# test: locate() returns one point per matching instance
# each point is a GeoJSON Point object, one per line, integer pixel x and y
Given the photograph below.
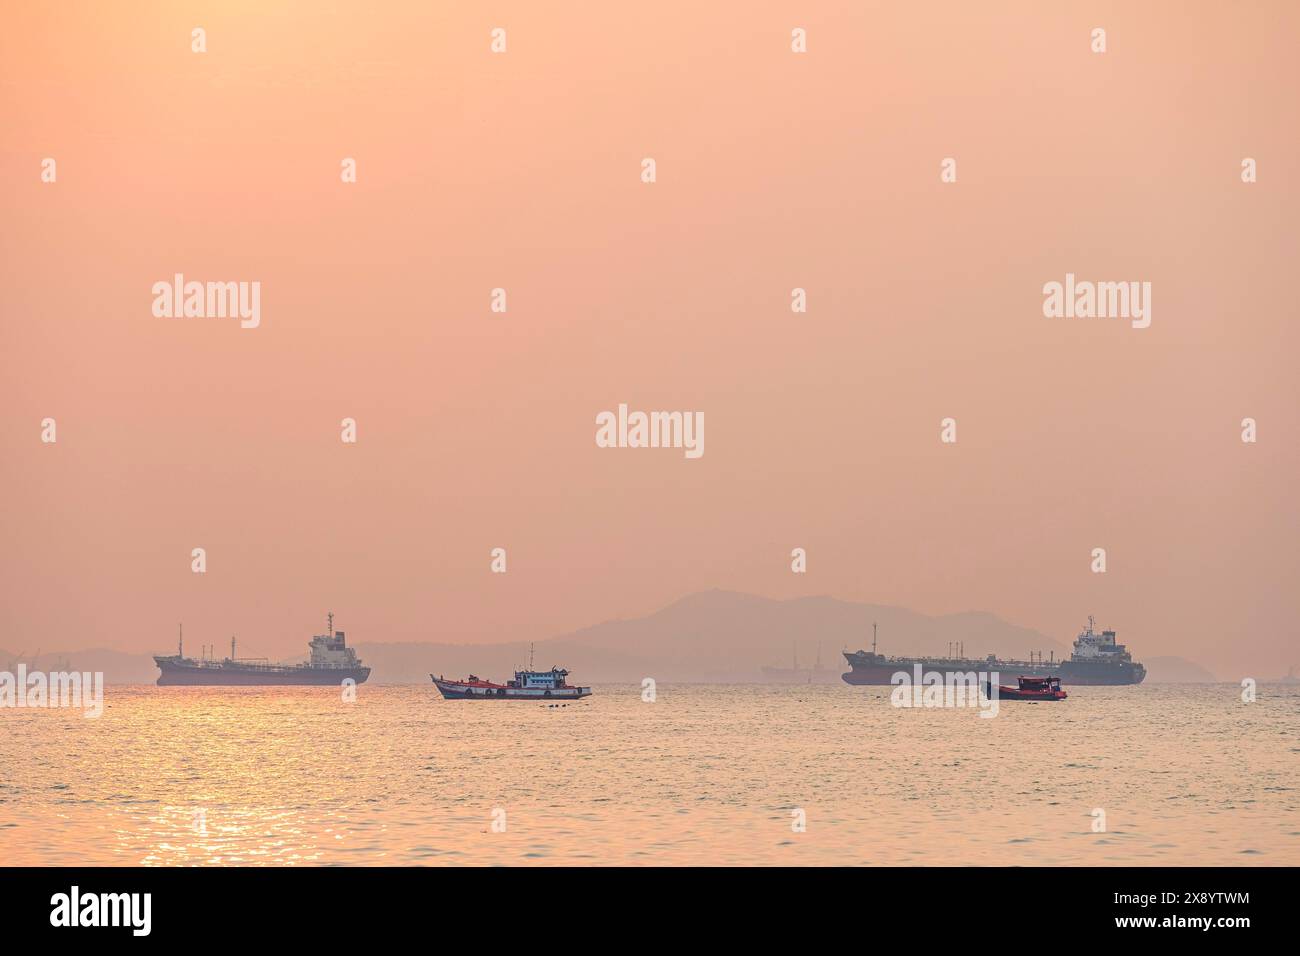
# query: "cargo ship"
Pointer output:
{"type": "Point", "coordinates": [331, 662]}
{"type": "Point", "coordinates": [1097, 659]}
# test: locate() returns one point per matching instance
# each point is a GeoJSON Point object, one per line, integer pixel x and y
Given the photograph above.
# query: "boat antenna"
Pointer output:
{"type": "Point", "coordinates": [873, 637]}
{"type": "Point", "coordinates": [530, 655]}
{"type": "Point", "coordinates": [232, 647]}
{"type": "Point", "coordinates": [329, 617]}
{"type": "Point", "coordinates": [180, 641]}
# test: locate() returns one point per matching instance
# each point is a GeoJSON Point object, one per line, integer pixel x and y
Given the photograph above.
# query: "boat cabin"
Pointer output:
{"type": "Point", "coordinates": [545, 679]}
{"type": "Point", "coordinates": [1040, 683]}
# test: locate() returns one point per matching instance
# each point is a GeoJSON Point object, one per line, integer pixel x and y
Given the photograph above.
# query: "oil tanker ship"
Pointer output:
{"type": "Point", "coordinates": [331, 662]}
{"type": "Point", "coordinates": [1097, 659]}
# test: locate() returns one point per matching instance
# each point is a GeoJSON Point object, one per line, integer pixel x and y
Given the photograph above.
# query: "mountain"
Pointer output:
{"type": "Point", "coordinates": [711, 636]}
{"type": "Point", "coordinates": [721, 636]}
{"type": "Point", "coordinates": [729, 636]}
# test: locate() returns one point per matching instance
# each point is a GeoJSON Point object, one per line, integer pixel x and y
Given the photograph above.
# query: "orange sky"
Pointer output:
{"type": "Point", "coordinates": [521, 170]}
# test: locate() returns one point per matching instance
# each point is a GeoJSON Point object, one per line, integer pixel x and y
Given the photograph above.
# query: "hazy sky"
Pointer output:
{"type": "Point", "coordinates": [522, 170]}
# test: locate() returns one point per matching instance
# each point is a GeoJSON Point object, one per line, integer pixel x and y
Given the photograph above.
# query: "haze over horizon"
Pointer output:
{"type": "Point", "coordinates": [775, 171]}
{"type": "Point", "coordinates": [712, 635]}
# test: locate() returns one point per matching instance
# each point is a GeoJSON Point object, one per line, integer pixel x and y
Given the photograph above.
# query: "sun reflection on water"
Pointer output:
{"type": "Point", "coordinates": [294, 776]}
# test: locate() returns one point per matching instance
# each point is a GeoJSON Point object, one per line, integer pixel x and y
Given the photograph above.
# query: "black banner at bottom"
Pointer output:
{"type": "Point", "coordinates": [505, 907]}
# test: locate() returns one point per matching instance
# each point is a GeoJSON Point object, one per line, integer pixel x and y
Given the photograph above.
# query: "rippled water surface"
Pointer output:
{"type": "Point", "coordinates": [1184, 775]}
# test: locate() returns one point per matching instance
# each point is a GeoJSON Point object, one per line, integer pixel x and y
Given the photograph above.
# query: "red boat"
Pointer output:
{"type": "Point", "coordinates": [1031, 688]}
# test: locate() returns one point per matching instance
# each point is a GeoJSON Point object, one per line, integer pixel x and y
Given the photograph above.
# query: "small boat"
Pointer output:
{"type": "Point", "coordinates": [1031, 688]}
{"type": "Point", "coordinates": [544, 686]}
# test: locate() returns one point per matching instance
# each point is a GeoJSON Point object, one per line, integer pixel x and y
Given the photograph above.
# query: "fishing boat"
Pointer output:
{"type": "Point", "coordinates": [527, 685]}
{"type": "Point", "coordinates": [545, 686]}
{"type": "Point", "coordinates": [1030, 688]}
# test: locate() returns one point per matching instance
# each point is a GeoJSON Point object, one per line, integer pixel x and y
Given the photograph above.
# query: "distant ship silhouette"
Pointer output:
{"type": "Point", "coordinates": [802, 675]}
{"type": "Point", "coordinates": [332, 662]}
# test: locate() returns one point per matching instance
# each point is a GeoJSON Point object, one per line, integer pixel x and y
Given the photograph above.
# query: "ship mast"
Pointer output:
{"type": "Point", "coordinates": [180, 641]}
{"type": "Point", "coordinates": [873, 637]}
{"type": "Point", "coordinates": [530, 656]}
{"type": "Point", "coordinates": [232, 647]}
{"type": "Point", "coordinates": [329, 616]}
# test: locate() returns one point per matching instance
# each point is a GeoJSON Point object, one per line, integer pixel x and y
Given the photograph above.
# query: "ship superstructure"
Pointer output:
{"type": "Point", "coordinates": [1098, 659]}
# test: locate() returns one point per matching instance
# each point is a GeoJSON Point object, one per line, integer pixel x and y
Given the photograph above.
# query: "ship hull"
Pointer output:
{"type": "Point", "coordinates": [173, 676]}
{"type": "Point", "coordinates": [460, 690]}
{"type": "Point", "coordinates": [1069, 672]}
{"type": "Point", "coordinates": [1103, 675]}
